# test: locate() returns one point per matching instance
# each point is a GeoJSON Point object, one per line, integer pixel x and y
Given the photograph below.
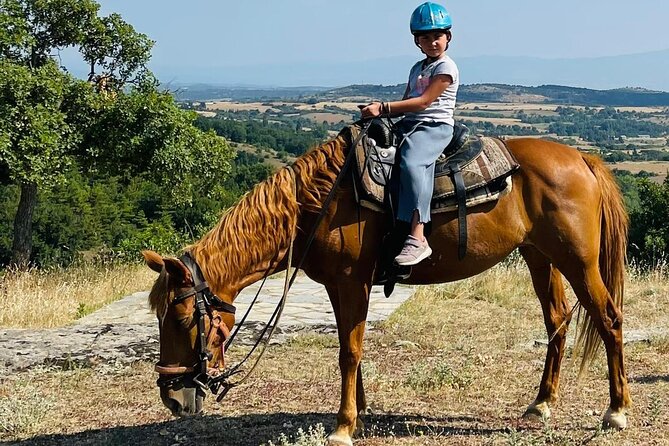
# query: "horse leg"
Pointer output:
{"type": "Point", "coordinates": [547, 282]}
{"type": "Point", "coordinates": [360, 398]}
{"type": "Point", "coordinates": [608, 320]}
{"type": "Point", "coordinates": [350, 300]}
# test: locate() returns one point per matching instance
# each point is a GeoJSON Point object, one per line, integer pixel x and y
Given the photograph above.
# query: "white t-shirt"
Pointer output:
{"type": "Point", "coordinates": [442, 109]}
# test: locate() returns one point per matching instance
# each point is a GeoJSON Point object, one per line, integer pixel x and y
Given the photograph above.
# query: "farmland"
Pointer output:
{"type": "Point", "coordinates": [631, 152]}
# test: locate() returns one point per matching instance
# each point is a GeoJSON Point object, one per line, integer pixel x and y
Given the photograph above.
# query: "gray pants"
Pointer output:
{"type": "Point", "coordinates": [422, 143]}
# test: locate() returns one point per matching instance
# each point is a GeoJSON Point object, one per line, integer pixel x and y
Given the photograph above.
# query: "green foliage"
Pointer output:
{"type": "Point", "coordinates": [35, 138]}
{"type": "Point", "coordinates": [117, 163]}
{"type": "Point", "coordinates": [119, 51]}
{"type": "Point", "coordinates": [281, 137]}
{"type": "Point", "coordinates": [649, 233]}
{"type": "Point", "coordinates": [145, 131]}
{"type": "Point", "coordinates": [601, 125]}
{"type": "Point", "coordinates": [489, 129]}
{"type": "Point", "coordinates": [33, 29]}
{"type": "Point", "coordinates": [630, 189]}
{"type": "Point", "coordinates": [88, 217]}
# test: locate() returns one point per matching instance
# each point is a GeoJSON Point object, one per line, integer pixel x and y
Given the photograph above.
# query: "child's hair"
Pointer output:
{"type": "Point", "coordinates": [448, 33]}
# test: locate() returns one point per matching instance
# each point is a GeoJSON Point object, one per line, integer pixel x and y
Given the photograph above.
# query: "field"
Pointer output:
{"type": "Point", "coordinates": [334, 112]}
{"type": "Point", "coordinates": [343, 111]}
{"type": "Point", "coordinates": [456, 364]}
{"type": "Point", "coordinates": [659, 169]}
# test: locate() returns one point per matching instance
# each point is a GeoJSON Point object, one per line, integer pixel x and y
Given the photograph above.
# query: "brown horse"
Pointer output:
{"type": "Point", "coordinates": [564, 213]}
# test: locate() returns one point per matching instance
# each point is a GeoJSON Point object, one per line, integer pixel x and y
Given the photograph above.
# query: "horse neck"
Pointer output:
{"type": "Point", "coordinates": [253, 237]}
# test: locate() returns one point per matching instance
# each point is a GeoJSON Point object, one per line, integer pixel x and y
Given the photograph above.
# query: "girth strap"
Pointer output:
{"type": "Point", "coordinates": [461, 195]}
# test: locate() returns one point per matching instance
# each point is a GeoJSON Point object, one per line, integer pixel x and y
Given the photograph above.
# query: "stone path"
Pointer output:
{"type": "Point", "coordinates": [126, 330]}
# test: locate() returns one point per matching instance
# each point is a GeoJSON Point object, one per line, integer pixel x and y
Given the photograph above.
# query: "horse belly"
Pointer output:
{"type": "Point", "coordinates": [493, 232]}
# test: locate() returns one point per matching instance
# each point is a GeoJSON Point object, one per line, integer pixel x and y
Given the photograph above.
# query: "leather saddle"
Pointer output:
{"type": "Point", "coordinates": [382, 143]}
{"type": "Point", "coordinates": [471, 170]}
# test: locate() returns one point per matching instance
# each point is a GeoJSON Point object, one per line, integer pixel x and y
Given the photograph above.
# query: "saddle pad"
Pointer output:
{"type": "Point", "coordinates": [485, 175]}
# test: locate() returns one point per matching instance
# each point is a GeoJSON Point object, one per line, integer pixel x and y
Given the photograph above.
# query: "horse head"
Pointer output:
{"type": "Point", "coordinates": [194, 325]}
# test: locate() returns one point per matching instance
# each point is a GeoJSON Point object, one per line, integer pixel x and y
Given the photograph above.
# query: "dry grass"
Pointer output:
{"type": "Point", "coordinates": [658, 168]}
{"type": "Point", "coordinates": [330, 118]}
{"type": "Point", "coordinates": [238, 106]}
{"type": "Point", "coordinates": [58, 296]}
{"type": "Point", "coordinates": [496, 121]}
{"type": "Point", "coordinates": [23, 410]}
{"type": "Point", "coordinates": [509, 106]}
{"type": "Point", "coordinates": [456, 364]}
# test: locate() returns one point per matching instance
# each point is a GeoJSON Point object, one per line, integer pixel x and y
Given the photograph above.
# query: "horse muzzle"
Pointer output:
{"type": "Point", "coordinates": [181, 395]}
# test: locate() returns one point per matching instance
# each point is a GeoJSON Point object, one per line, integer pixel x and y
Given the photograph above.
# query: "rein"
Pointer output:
{"type": "Point", "coordinates": [213, 378]}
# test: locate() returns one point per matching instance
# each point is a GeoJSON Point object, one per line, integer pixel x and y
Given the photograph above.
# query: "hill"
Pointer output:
{"type": "Point", "coordinates": [548, 94]}
{"type": "Point", "coordinates": [647, 70]}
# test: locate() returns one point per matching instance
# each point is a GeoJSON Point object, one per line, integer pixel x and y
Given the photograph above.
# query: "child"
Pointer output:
{"type": "Point", "coordinates": [427, 127]}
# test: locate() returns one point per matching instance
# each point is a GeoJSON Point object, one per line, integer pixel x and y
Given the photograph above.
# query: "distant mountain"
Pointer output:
{"type": "Point", "coordinates": [549, 94]}
{"type": "Point", "coordinates": [646, 70]}
{"type": "Point", "coordinates": [203, 92]}
{"type": "Point", "coordinates": [557, 94]}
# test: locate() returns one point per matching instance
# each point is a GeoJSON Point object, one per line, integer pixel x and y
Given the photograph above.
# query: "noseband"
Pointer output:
{"type": "Point", "coordinates": [207, 304]}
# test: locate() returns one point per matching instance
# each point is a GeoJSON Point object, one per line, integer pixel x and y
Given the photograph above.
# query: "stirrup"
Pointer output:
{"type": "Point", "coordinates": [394, 273]}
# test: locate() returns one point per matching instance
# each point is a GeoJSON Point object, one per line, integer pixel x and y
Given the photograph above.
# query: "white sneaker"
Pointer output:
{"type": "Point", "coordinates": [413, 252]}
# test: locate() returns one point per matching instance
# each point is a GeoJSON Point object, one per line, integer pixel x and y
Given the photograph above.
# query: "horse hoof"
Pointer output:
{"type": "Point", "coordinates": [614, 420]}
{"type": "Point", "coordinates": [368, 410]}
{"type": "Point", "coordinates": [538, 411]}
{"type": "Point", "coordinates": [338, 440]}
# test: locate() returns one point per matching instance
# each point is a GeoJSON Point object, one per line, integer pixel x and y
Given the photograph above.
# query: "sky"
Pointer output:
{"type": "Point", "coordinates": [201, 34]}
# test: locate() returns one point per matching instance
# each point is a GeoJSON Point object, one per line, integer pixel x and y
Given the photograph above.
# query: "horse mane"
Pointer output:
{"type": "Point", "coordinates": [265, 219]}
{"type": "Point", "coordinates": [159, 297]}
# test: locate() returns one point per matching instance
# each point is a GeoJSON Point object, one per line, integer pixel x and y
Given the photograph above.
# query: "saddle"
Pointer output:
{"type": "Point", "coordinates": [471, 170]}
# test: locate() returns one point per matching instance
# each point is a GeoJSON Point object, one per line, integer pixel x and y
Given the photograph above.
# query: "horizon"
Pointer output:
{"type": "Point", "coordinates": [296, 42]}
{"type": "Point", "coordinates": [325, 88]}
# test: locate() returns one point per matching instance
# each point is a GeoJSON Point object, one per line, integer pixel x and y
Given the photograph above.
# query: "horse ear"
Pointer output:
{"type": "Point", "coordinates": [176, 269]}
{"type": "Point", "coordinates": [153, 260]}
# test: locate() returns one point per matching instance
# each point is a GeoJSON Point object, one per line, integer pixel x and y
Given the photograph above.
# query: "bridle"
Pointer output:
{"type": "Point", "coordinates": [207, 304]}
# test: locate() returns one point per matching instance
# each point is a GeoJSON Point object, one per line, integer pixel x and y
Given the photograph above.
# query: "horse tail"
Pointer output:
{"type": "Point", "coordinates": [612, 251]}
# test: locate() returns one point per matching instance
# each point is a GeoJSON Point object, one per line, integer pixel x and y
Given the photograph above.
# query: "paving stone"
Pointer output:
{"type": "Point", "coordinates": [127, 331]}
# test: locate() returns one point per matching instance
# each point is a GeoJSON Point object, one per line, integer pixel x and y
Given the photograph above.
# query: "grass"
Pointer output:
{"type": "Point", "coordinates": [455, 364]}
{"type": "Point", "coordinates": [425, 376]}
{"type": "Point", "coordinates": [314, 436]}
{"type": "Point", "coordinates": [23, 410]}
{"type": "Point", "coordinates": [58, 296]}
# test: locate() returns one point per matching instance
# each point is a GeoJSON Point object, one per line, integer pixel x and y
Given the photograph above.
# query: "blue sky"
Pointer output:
{"type": "Point", "coordinates": [200, 34]}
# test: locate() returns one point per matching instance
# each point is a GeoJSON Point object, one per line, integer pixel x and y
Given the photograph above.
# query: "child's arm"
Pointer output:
{"type": "Point", "coordinates": [437, 85]}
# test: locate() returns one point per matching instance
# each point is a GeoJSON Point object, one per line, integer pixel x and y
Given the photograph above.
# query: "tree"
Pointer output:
{"type": "Point", "coordinates": [35, 138]}
{"type": "Point", "coordinates": [649, 234]}
{"type": "Point", "coordinates": [116, 121]}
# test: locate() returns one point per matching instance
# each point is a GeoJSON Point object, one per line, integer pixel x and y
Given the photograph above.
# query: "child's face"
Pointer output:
{"type": "Point", "coordinates": [432, 43]}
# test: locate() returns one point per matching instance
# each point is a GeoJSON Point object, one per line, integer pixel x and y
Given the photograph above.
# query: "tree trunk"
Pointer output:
{"type": "Point", "coordinates": [23, 226]}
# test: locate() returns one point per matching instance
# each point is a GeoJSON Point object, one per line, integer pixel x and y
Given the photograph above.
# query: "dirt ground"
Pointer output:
{"type": "Point", "coordinates": [456, 364]}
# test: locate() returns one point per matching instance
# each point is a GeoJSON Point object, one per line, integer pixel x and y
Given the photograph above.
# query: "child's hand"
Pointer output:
{"type": "Point", "coordinates": [370, 110]}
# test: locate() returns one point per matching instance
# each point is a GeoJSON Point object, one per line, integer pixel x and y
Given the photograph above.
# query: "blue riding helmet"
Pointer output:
{"type": "Point", "coordinates": [430, 17]}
